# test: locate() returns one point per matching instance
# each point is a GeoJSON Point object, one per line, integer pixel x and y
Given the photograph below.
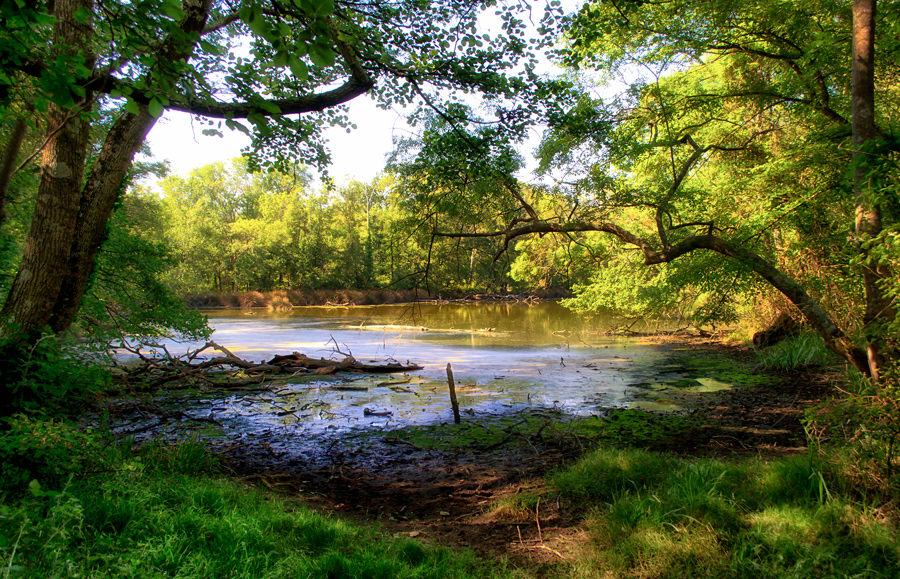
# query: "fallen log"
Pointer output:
{"type": "Point", "coordinates": [348, 364]}
{"type": "Point", "coordinates": [230, 371]}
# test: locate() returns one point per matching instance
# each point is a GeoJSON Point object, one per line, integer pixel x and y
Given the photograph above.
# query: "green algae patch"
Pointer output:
{"type": "Point", "coordinates": [478, 434]}
{"type": "Point", "coordinates": [619, 427]}
{"type": "Point", "coordinates": [624, 427]}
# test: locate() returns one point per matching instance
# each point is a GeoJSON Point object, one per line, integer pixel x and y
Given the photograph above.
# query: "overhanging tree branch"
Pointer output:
{"type": "Point", "coordinates": [812, 311]}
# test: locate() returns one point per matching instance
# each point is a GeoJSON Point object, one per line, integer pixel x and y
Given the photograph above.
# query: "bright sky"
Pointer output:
{"type": "Point", "coordinates": [358, 155]}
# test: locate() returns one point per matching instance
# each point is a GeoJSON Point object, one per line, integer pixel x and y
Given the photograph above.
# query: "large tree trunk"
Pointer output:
{"type": "Point", "coordinates": [71, 213]}
{"type": "Point", "coordinates": [45, 260]}
{"type": "Point", "coordinates": [879, 309]}
{"type": "Point", "coordinates": [101, 190]}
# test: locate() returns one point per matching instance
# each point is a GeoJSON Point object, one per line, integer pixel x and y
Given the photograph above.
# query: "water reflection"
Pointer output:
{"type": "Point", "coordinates": [506, 357]}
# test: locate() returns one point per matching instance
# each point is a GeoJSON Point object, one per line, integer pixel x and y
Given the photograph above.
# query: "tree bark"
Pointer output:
{"type": "Point", "coordinates": [35, 288]}
{"type": "Point", "coordinates": [879, 309]}
{"type": "Point", "coordinates": [10, 154]}
{"type": "Point", "coordinates": [101, 190]}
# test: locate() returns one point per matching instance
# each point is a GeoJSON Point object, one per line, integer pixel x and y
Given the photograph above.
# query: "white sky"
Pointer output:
{"type": "Point", "coordinates": [359, 155]}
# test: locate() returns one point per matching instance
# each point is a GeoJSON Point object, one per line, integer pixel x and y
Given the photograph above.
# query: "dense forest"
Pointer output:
{"type": "Point", "coordinates": [232, 231]}
{"type": "Point", "coordinates": [724, 164]}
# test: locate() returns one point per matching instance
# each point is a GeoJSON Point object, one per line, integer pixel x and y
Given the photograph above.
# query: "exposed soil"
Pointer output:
{"type": "Point", "coordinates": [451, 498]}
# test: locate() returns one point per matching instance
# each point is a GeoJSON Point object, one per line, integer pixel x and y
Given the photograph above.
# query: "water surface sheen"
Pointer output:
{"type": "Point", "coordinates": [502, 353]}
{"type": "Point", "coordinates": [506, 357]}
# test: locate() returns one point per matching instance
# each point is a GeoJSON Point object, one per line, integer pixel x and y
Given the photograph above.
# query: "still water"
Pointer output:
{"type": "Point", "coordinates": [506, 357]}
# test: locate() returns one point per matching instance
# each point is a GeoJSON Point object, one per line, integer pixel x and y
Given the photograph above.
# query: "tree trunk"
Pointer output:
{"type": "Point", "coordinates": [71, 212]}
{"type": "Point", "coordinates": [818, 319]}
{"type": "Point", "coordinates": [101, 189]}
{"type": "Point", "coordinates": [45, 261]}
{"type": "Point", "coordinates": [879, 309]}
{"type": "Point", "coordinates": [10, 154]}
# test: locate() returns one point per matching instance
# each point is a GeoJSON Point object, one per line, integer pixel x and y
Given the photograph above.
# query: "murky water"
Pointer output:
{"type": "Point", "coordinates": [506, 357]}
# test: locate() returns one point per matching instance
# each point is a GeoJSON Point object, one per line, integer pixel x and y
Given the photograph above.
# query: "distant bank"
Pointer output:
{"type": "Point", "coordinates": [282, 300]}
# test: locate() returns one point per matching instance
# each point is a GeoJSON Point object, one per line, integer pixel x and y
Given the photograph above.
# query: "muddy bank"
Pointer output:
{"type": "Point", "coordinates": [439, 482]}
{"type": "Point", "coordinates": [281, 300]}
{"type": "Point", "coordinates": [455, 495]}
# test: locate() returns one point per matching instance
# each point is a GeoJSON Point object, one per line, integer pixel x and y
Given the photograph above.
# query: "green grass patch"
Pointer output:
{"type": "Point", "coordinates": [114, 512]}
{"type": "Point", "coordinates": [801, 351]}
{"type": "Point", "coordinates": [654, 515]}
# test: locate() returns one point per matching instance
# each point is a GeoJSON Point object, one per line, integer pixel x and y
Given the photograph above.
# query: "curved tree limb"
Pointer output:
{"type": "Point", "coordinates": [835, 339]}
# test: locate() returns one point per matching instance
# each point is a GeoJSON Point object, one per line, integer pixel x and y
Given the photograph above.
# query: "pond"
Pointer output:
{"type": "Point", "coordinates": [506, 358]}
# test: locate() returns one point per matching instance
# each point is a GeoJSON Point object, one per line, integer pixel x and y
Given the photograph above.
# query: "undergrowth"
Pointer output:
{"type": "Point", "coordinates": [650, 514]}
{"type": "Point", "coordinates": [76, 505]}
{"type": "Point", "coordinates": [801, 351]}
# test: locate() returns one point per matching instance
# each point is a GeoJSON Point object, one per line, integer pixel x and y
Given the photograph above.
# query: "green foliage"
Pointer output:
{"type": "Point", "coordinates": [734, 124]}
{"type": "Point", "coordinates": [229, 230]}
{"type": "Point", "coordinates": [156, 514]}
{"type": "Point", "coordinates": [796, 352]}
{"type": "Point", "coordinates": [652, 515]}
{"type": "Point", "coordinates": [51, 377]}
{"type": "Point", "coordinates": [298, 47]}
{"type": "Point", "coordinates": [47, 450]}
{"type": "Point", "coordinates": [127, 295]}
{"type": "Point", "coordinates": [870, 417]}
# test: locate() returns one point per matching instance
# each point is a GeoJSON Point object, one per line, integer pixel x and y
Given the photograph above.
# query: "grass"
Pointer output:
{"type": "Point", "coordinates": [159, 513]}
{"type": "Point", "coordinates": [800, 351]}
{"type": "Point", "coordinates": [649, 514]}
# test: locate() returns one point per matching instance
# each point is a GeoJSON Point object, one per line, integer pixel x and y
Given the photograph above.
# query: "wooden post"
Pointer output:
{"type": "Point", "coordinates": [453, 401]}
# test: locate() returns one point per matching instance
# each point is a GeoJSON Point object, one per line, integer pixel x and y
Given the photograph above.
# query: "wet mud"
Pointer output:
{"type": "Point", "coordinates": [344, 443]}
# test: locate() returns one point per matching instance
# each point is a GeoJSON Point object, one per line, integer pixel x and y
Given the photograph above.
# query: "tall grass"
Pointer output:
{"type": "Point", "coordinates": [800, 351]}
{"type": "Point", "coordinates": [153, 514]}
{"type": "Point", "coordinates": [653, 515]}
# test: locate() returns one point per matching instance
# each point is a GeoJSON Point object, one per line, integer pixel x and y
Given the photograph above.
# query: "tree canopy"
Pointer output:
{"type": "Point", "coordinates": [94, 77]}
{"type": "Point", "coordinates": [737, 134]}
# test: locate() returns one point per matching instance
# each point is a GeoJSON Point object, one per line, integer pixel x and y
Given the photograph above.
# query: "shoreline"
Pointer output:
{"type": "Point", "coordinates": [282, 300]}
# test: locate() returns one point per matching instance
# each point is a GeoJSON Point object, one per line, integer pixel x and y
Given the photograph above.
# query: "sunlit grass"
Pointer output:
{"type": "Point", "coordinates": [801, 351]}
{"type": "Point", "coordinates": [156, 514]}
{"type": "Point", "coordinates": [653, 515]}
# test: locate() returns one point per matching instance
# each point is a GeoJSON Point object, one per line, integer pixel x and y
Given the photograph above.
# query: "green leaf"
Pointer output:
{"type": "Point", "coordinates": [236, 126]}
{"type": "Point", "coordinates": [324, 7]}
{"type": "Point", "coordinates": [269, 107]}
{"type": "Point", "coordinates": [155, 108]}
{"type": "Point", "coordinates": [172, 9]}
{"type": "Point", "coordinates": [322, 57]}
{"type": "Point", "coordinates": [298, 68]}
{"type": "Point", "coordinates": [132, 107]}
{"type": "Point", "coordinates": [258, 26]}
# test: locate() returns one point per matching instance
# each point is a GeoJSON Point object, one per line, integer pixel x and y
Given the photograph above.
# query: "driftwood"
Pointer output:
{"type": "Point", "coordinates": [348, 364]}
{"type": "Point", "coordinates": [229, 371]}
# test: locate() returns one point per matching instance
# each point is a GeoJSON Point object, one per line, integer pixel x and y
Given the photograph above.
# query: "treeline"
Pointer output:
{"type": "Point", "coordinates": [229, 230]}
